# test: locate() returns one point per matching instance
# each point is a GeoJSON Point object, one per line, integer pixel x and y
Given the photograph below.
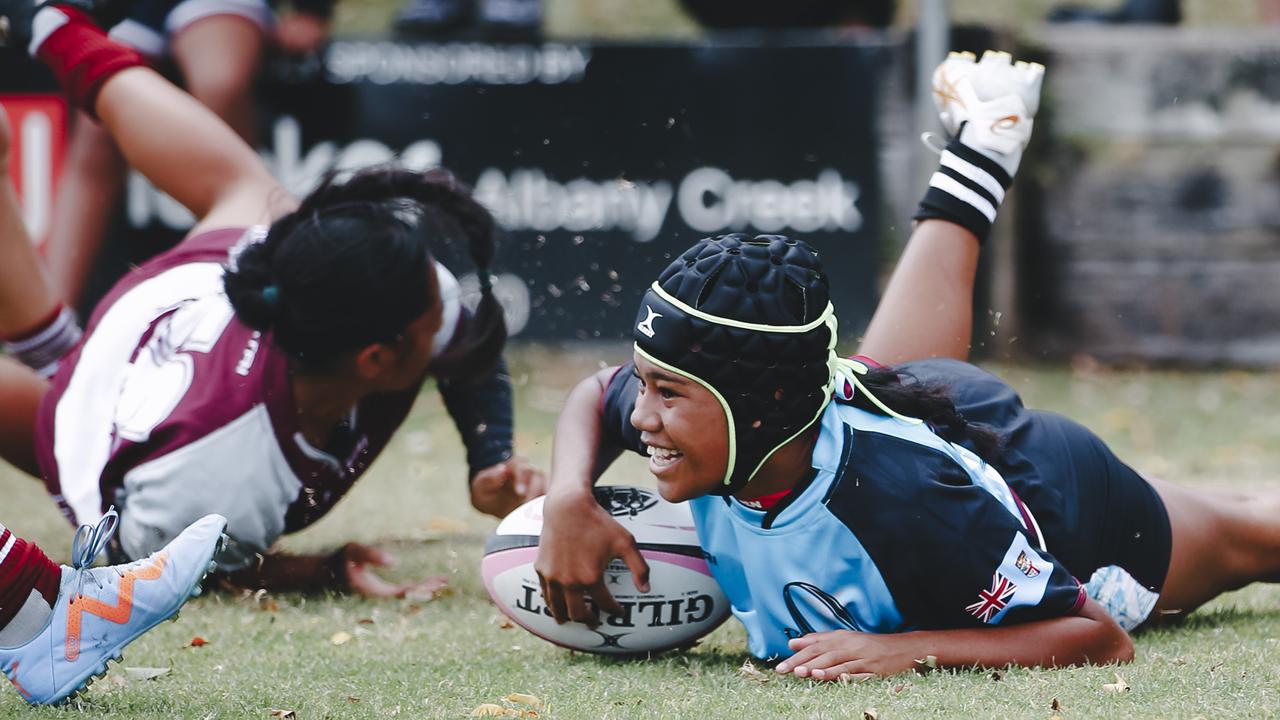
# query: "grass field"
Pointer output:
{"type": "Point", "coordinates": [442, 658]}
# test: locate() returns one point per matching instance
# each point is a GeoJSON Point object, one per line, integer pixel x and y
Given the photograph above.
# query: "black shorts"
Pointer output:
{"type": "Point", "coordinates": [1093, 510]}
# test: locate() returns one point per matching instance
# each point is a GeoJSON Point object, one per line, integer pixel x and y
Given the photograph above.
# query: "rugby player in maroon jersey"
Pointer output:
{"type": "Point", "coordinates": [258, 368]}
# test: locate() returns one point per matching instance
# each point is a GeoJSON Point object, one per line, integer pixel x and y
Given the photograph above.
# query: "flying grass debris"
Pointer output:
{"type": "Point", "coordinates": [1118, 686]}
{"type": "Point", "coordinates": [751, 672]}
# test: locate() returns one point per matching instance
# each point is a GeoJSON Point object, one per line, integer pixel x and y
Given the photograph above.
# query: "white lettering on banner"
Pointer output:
{"type": "Point", "coordinates": [297, 172]}
{"type": "Point", "coordinates": [384, 63]}
{"type": "Point", "coordinates": [711, 200]}
{"type": "Point", "coordinates": [529, 200]}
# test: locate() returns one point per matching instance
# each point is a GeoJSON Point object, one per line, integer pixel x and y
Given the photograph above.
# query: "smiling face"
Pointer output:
{"type": "Point", "coordinates": [685, 430]}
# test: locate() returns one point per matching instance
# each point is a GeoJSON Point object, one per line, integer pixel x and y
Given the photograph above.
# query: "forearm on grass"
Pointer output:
{"type": "Point", "coordinates": [286, 573]}
{"type": "Point", "coordinates": [1092, 636]}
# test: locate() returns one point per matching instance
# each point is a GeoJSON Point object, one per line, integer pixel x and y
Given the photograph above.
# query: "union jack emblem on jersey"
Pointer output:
{"type": "Point", "coordinates": [1024, 564]}
{"type": "Point", "coordinates": [992, 601]}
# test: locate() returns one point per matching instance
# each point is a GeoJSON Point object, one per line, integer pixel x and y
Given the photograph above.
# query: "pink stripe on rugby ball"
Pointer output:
{"type": "Point", "coordinates": [684, 561]}
{"type": "Point", "coordinates": [497, 563]}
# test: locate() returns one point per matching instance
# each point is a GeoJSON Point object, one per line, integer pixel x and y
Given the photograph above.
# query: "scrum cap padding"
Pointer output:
{"type": "Point", "coordinates": [750, 319]}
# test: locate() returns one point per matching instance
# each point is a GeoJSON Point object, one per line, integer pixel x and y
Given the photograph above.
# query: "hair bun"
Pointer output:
{"type": "Point", "coordinates": [248, 285]}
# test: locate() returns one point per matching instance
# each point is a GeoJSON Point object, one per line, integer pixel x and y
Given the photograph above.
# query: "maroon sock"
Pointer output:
{"type": "Point", "coordinates": [81, 55]}
{"type": "Point", "coordinates": [23, 568]}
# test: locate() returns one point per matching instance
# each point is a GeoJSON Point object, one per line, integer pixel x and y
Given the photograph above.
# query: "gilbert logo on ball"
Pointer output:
{"type": "Point", "coordinates": [683, 603]}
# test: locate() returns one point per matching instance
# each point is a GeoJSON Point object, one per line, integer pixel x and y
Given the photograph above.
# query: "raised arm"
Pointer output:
{"type": "Point", "coordinates": [177, 143]}
{"type": "Point", "coordinates": [927, 309]}
{"type": "Point", "coordinates": [579, 537]}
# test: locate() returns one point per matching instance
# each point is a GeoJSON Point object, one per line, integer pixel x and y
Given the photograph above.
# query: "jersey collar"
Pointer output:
{"type": "Point", "coordinates": [826, 461]}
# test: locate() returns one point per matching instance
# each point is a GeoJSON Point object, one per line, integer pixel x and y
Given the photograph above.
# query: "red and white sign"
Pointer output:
{"type": "Point", "coordinates": [38, 124]}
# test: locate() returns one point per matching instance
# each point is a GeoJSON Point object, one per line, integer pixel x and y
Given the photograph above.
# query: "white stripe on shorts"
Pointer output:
{"type": "Point", "coordinates": [140, 37]}
{"type": "Point", "coordinates": [4, 551]}
{"type": "Point", "coordinates": [952, 187]}
{"type": "Point", "coordinates": [46, 21]}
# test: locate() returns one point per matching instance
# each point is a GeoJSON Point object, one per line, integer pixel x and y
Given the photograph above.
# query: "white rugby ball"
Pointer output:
{"type": "Point", "coordinates": [683, 603]}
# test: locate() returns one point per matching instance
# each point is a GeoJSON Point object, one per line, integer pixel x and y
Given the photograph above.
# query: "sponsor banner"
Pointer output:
{"type": "Point", "coordinates": [601, 162]}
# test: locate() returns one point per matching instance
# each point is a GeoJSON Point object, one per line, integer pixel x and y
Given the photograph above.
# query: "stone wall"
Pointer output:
{"type": "Point", "coordinates": [1149, 211]}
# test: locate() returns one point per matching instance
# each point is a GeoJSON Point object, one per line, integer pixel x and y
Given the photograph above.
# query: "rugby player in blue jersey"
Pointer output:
{"type": "Point", "coordinates": [863, 517]}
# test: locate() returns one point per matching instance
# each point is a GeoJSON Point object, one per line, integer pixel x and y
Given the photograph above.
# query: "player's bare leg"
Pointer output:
{"type": "Point", "coordinates": [163, 132]}
{"type": "Point", "coordinates": [89, 192]}
{"type": "Point", "coordinates": [96, 172]}
{"type": "Point", "coordinates": [219, 57]}
{"type": "Point", "coordinates": [26, 296]}
{"type": "Point", "coordinates": [27, 301]}
{"type": "Point", "coordinates": [927, 309]}
{"type": "Point", "coordinates": [21, 391]}
{"type": "Point", "coordinates": [1222, 541]}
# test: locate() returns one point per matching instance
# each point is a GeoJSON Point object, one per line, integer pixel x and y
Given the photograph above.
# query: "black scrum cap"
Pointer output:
{"type": "Point", "coordinates": [750, 319]}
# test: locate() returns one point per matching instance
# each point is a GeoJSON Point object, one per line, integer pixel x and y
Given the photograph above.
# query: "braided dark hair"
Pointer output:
{"type": "Point", "coordinates": [352, 266]}
{"type": "Point", "coordinates": [932, 403]}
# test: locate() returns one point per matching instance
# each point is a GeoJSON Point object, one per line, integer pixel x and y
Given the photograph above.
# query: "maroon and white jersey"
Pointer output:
{"type": "Point", "coordinates": [171, 408]}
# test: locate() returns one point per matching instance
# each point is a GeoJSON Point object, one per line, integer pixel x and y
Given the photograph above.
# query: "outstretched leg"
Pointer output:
{"type": "Point", "coordinates": [218, 56]}
{"type": "Point", "coordinates": [26, 297]}
{"type": "Point", "coordinates": [21, 391]}
{"type": "Point", "coordinates": [52, 642]}
{"type": "Point", "coordinates": [1222, 541]}
{"type": "Point", "coordinates": [91, 186]}
{"type": "Point", "coordinates": [177, 143]}
{"type": "Point", "coordinates": [27, 305]}
{"type": "Point", "coordinates": [927, 309]}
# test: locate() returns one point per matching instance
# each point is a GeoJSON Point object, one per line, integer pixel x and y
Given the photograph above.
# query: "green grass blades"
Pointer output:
{"type": "Point", "coordinates": [339, 657]}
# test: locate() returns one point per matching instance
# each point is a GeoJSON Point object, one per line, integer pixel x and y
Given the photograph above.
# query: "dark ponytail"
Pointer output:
{"type": "Point", "coordinates": [929, 402]}
{"type": "Point", "coordinates": [352, 266]}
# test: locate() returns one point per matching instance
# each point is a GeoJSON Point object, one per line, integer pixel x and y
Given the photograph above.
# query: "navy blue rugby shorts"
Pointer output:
{"type": "Point", "coordinates": [1093, 510]}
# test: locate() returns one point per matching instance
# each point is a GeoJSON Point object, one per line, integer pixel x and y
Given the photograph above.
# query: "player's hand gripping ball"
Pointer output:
{"type": "Point", "coordinates": [683, 603]}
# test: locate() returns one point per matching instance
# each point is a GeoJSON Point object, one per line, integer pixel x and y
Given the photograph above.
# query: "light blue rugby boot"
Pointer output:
{"type": "Point", "coordinates": [101, 610]}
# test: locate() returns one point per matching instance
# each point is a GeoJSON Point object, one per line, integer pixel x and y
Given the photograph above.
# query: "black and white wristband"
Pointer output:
{"type": "Point", "coordinates": [966, 189]}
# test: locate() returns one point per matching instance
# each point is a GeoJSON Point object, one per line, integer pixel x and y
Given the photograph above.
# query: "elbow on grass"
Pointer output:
{"type": "Point", "coordinates": [1117, 648]}
{"type": "Point", "coordinates": [1123, 651]}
